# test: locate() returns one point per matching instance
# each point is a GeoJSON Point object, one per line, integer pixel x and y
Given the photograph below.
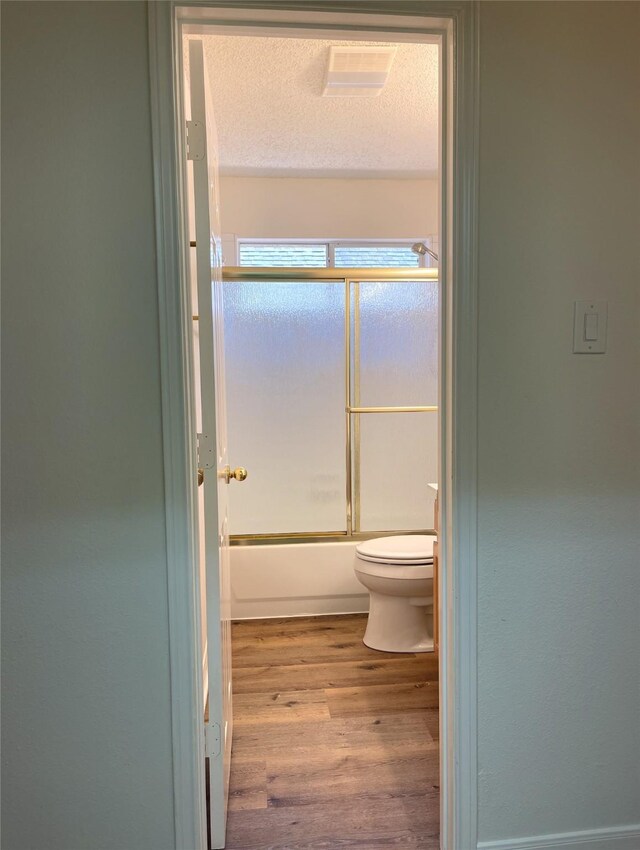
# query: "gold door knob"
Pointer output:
{"type": "Point", "coordinates": [200, 477]}
{"type": "Point", "coordinates": [238, 474]}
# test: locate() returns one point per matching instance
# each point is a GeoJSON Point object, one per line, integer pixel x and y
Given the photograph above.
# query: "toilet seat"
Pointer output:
{"type": "Point", "coordinates": [403, 550]}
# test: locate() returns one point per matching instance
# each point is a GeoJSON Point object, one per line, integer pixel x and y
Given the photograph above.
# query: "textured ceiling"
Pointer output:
{"type": "Point", "coordinates": [271, 115]}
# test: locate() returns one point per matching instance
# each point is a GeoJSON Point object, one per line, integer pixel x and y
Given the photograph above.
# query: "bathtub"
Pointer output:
{"type": "Point", "coordinates": [294, 580]}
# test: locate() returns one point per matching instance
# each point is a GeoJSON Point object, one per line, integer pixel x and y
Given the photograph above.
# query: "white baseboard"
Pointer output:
{"type": "Point", "coordinates": [614, 838]}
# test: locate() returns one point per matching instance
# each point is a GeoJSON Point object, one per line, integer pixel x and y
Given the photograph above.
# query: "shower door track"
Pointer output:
{"type": "Point", "coordinates": [346, 277]}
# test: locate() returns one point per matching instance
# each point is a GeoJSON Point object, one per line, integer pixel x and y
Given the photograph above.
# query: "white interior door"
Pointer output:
{"type": "Point", "coordinates": [212, 444]}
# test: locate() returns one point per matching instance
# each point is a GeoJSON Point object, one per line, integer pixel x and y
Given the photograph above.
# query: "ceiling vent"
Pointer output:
{"type": "Point", "coordinates": [357, 71]}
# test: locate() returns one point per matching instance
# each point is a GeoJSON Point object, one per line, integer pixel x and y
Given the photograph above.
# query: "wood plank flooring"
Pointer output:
{"type": "Point", "coordinates": [335, 745]}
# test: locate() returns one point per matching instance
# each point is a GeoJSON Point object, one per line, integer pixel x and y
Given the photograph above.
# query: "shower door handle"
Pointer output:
{"type": "Point", "coordinates": [238, 474]}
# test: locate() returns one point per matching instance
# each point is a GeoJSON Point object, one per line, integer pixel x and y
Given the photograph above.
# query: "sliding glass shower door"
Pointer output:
{"type": "Point", "coordinates": [285, 355]}
{"type": "Point", "coordinates": [332, 394]}
{"type": "Point", "coordinates": [394, 364]}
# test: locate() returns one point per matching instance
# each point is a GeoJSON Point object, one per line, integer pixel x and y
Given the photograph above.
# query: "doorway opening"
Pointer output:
{"type": "Point", "coordinates": [201, 270]}
{"type": "Point", "coordinates": [325, 218]}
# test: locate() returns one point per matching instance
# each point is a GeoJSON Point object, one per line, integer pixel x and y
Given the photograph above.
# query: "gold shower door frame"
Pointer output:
{"type": "Point", "coordinates": [348, 277]}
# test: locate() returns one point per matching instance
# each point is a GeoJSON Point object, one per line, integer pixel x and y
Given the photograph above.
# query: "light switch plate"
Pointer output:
{"type": "Point", "coordinates": [590, 327]}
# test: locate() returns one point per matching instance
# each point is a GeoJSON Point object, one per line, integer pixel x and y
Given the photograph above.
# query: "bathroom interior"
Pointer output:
{"type": "Point", "coordinates": [328, 159]}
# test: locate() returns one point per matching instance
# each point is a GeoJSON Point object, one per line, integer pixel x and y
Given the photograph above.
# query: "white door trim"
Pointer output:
{"type": "Point", "coordinates": [457, 20]}
{"type": "Point", "coordinates": [178, 433]}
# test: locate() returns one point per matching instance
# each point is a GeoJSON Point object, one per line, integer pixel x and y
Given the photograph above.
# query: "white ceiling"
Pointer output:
{"type": "Point", "coordinates": [271, 115]}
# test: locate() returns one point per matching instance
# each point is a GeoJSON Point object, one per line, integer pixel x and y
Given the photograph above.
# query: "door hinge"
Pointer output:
{"type": "Point", "coordinates": [206, 451]}
{"type": "Point", "coordinates": [195, 140]}
{"type": "Point", "coordinates": [212, 740]}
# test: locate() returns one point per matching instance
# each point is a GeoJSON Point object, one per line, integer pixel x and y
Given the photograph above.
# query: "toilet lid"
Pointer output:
{"type": "Point", "coordinates": [405, 548]}
{"type": "Point", "coordinates": [400, 562]}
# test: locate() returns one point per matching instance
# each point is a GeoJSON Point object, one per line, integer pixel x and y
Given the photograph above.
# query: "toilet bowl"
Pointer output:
{"type": "Point", "coordinates": [398, 573]}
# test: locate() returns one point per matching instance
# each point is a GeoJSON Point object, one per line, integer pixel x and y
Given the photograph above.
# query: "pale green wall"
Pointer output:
{"type": "Point", "coordinates": [85, 674]}
{"type": "Point", "coordinates": [559, 477]}
{"type": "Point", "coordinates": [86, 727]}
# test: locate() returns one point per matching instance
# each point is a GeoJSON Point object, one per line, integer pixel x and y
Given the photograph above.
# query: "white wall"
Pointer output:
{"type": "Point", "coordinates": [296, 207]}
{"type": "Point", "coordinates": [559, 580]}
{"type": "Point", "coordinates": [86, 734]}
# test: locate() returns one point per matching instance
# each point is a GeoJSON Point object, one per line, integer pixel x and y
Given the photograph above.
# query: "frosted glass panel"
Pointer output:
{"type": "Point", "coordinates": [398, 457]}
{"type": "Point", "coordinates": [284, 346]}
{"type": "Point", "coordinates": [398, 344]}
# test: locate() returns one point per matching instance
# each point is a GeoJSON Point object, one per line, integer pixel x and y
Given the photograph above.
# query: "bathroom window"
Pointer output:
{"type": "Point", "coordinates": [279, 254]}
{"type": "Point", "coordinates": [343, 254]}
{"type": "Point", "coordinates": [372, 256]}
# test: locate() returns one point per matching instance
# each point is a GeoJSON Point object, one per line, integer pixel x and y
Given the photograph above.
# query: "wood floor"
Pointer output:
{"type": "Point", "coordinates": [335, 745]}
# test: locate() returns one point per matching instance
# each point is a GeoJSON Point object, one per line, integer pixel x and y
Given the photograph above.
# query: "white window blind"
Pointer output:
{"type": "Point", "coordinates": [329, 254]}
{"type": "Point", "coordinates": [375, 256]}
{"type": "Point", "coordinates": [278, 254]}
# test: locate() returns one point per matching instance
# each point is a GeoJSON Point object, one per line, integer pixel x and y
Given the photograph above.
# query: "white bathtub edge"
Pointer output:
{"type": "Point", "coordinates": [295, 580]}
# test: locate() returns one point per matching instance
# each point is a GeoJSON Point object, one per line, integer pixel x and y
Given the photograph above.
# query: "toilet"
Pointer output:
{"type": "Point", "coordinates": [398, 573]}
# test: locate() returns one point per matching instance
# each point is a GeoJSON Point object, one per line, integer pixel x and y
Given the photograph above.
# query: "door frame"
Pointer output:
{"type": "Point", "coordinates": [456, 23]}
